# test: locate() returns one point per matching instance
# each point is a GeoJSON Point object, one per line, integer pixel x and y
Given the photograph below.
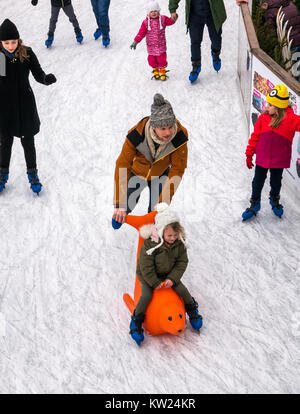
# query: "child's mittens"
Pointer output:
{"type": "Point", "coordinates": [133, 45]}
{"type": "Point", "coordinates": [49, 79]}
{"type": "Point", "coordinates": [249, 162]}
{"type": "Point", "coordinates": [34, 2]}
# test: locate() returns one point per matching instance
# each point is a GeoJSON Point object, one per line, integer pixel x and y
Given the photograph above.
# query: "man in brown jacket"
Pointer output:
{"type": "Point", "coordinates": [155, 155]}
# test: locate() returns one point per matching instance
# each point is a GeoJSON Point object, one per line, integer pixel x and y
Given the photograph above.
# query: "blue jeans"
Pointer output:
{"type": "Point", "coordinates": [100, 8]}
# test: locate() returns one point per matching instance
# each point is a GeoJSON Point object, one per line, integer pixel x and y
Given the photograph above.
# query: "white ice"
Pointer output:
{"type": "Point", "coordinates": [63, 324]}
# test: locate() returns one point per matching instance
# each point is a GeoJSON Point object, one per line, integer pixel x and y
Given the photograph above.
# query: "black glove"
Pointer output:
{"type": "Point", "coordinates": [133, 45]}
{"type": "Point", "coordinates": [49, 79]}
{"type": "Point", "coordinates": [34, 2]}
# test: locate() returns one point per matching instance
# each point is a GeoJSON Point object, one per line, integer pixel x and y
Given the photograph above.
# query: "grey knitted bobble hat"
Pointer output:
{"type": "Point", "coordinates": [162, 114]}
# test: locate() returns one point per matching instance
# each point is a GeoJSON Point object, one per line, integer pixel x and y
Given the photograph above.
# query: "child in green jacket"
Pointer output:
{"type": "Point", "coordinates": [163, 258]}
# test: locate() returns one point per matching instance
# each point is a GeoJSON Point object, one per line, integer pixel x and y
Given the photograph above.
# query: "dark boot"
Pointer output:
{"type": "Point", "coordinates": [276, 207]}
{"type": "Point", "coordinates": [3, 178]}
{"type": "Point", "coordinates": [195, 318]}
{"type": "Point", "coordinates": [252, 210]}
{"type": "Point", "coordinates": [33, 178]}
{"type": "Point", "coordinates": [136, 330]}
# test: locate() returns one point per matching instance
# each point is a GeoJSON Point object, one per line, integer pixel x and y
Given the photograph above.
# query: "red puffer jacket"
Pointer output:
{"type": "Point", "coordinates": [273, 146]}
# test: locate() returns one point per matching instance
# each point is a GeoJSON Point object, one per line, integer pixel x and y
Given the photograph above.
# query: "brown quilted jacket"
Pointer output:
{"type": "Point", "coordinates": [136, 158]}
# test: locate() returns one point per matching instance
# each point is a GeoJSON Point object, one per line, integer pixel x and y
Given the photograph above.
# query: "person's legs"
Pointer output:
{"type": "Point", "coordinates": [103, 6]}
{"type": "Point", "coordinates": [69, 12]}
{"type": "Point", "coordinates": [196, 27]}
{"type": "Point", "coordinates": [162, 60]}
{"type": "Point", "coordinates": [95, 10]}
{"type": "Point", "coordinates": [191, 306]}
{"type": "Point", "coordinates": [30, 157]}
{"type": "Point", "coordinates": [152, 60]}
{"type": "Point", "coordinates": [29, 152]}
{"type": "Point", "coordinates": [155, 188]}
{"type": "Point", "coordinates": [257, 186]}
{"type": "Point", "coordinates": [258, 182]}
{"type": "Point", "coordinates": [5, 151]}
{"type": "Point", "coordinates": [145, 298]}
{"type": "Point", "coordinates": [215, 37]}
{"type": "Point", "coordinates": [135, 187]}
{"type": "Point", "coordinates": [53, 19]}
{"type": "Point", "coordinates": [183, 292]}
{"type": "Point", "coordinates": [275, 182]}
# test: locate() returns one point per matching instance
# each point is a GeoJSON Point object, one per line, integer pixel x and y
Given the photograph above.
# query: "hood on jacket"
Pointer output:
{"type": "Point", "coordinates": [276, 4]}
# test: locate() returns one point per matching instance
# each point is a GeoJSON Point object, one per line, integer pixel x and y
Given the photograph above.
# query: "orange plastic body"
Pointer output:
{"type": "Point", "coordinates": [165, 312]}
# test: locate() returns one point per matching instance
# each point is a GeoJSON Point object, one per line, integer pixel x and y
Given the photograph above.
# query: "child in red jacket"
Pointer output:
{"type": "Point", "coordinates": [271, 141]}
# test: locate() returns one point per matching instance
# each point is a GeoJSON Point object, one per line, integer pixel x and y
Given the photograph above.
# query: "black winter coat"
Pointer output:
{"type": "Point", "coordinates": [60, 3]}
{"type": "Point", "coordinates": [18, 111]}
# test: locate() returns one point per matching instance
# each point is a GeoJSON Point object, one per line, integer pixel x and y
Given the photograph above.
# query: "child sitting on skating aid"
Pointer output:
{"type": "Point", "coordinates": [153, 27]}
{"type": "Point", "coordinates": [162, 258]}
{"type": "Point", "coordinates": [67, 7]}
{"type": "Point", "coordinates": [271, 141]}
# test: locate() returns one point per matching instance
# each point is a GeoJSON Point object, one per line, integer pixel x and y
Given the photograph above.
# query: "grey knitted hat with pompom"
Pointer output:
{"type": "Point", "coordinates": [162, 114]}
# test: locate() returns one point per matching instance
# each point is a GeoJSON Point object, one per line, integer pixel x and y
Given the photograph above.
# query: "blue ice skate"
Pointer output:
{"type": "Point", "coordinates": [79, 37]}
{"type": "Point", "coordinates": [252, 210]}
{"type": "Point", "coordinates": [97, 34]}
{"type": "Point", "coordinates": [216, 61]}
{"type": "Point", "coordinates": [276, 207]}
{"type": "Point", "coordinates": [195, 318]}
{"type": "Point", "coordinates": [50, 39]}
{"type": "Point", "coordinates": [34, 181]}
{"type": "Point", "coordinates": [3, 178]}
{"type": "Point", "coordinates": [195, 72]}
{"type": "Point", "coordinates": [105, 40]}
{"type": "Point", "coordinates": [136, 330]}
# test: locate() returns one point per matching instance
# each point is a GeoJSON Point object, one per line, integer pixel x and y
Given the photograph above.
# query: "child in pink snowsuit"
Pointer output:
{"type": "Point", "coordinates": [153, 27]}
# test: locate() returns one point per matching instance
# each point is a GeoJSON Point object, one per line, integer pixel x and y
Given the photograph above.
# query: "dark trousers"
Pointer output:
{"type": "Point", "coordinates": [196, 28]}
{"type": "Point", "coordinates": [137, 184]}
{"type": "Point", "coordinates": [29, 151]}
{"type": "Point", "coordinates": [68, 10]}
{"type": "Point", "coordinates": [259, 180]}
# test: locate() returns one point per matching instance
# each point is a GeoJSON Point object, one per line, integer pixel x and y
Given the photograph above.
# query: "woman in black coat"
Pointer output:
{"type": "Point", "coordinates": [18, 111]}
